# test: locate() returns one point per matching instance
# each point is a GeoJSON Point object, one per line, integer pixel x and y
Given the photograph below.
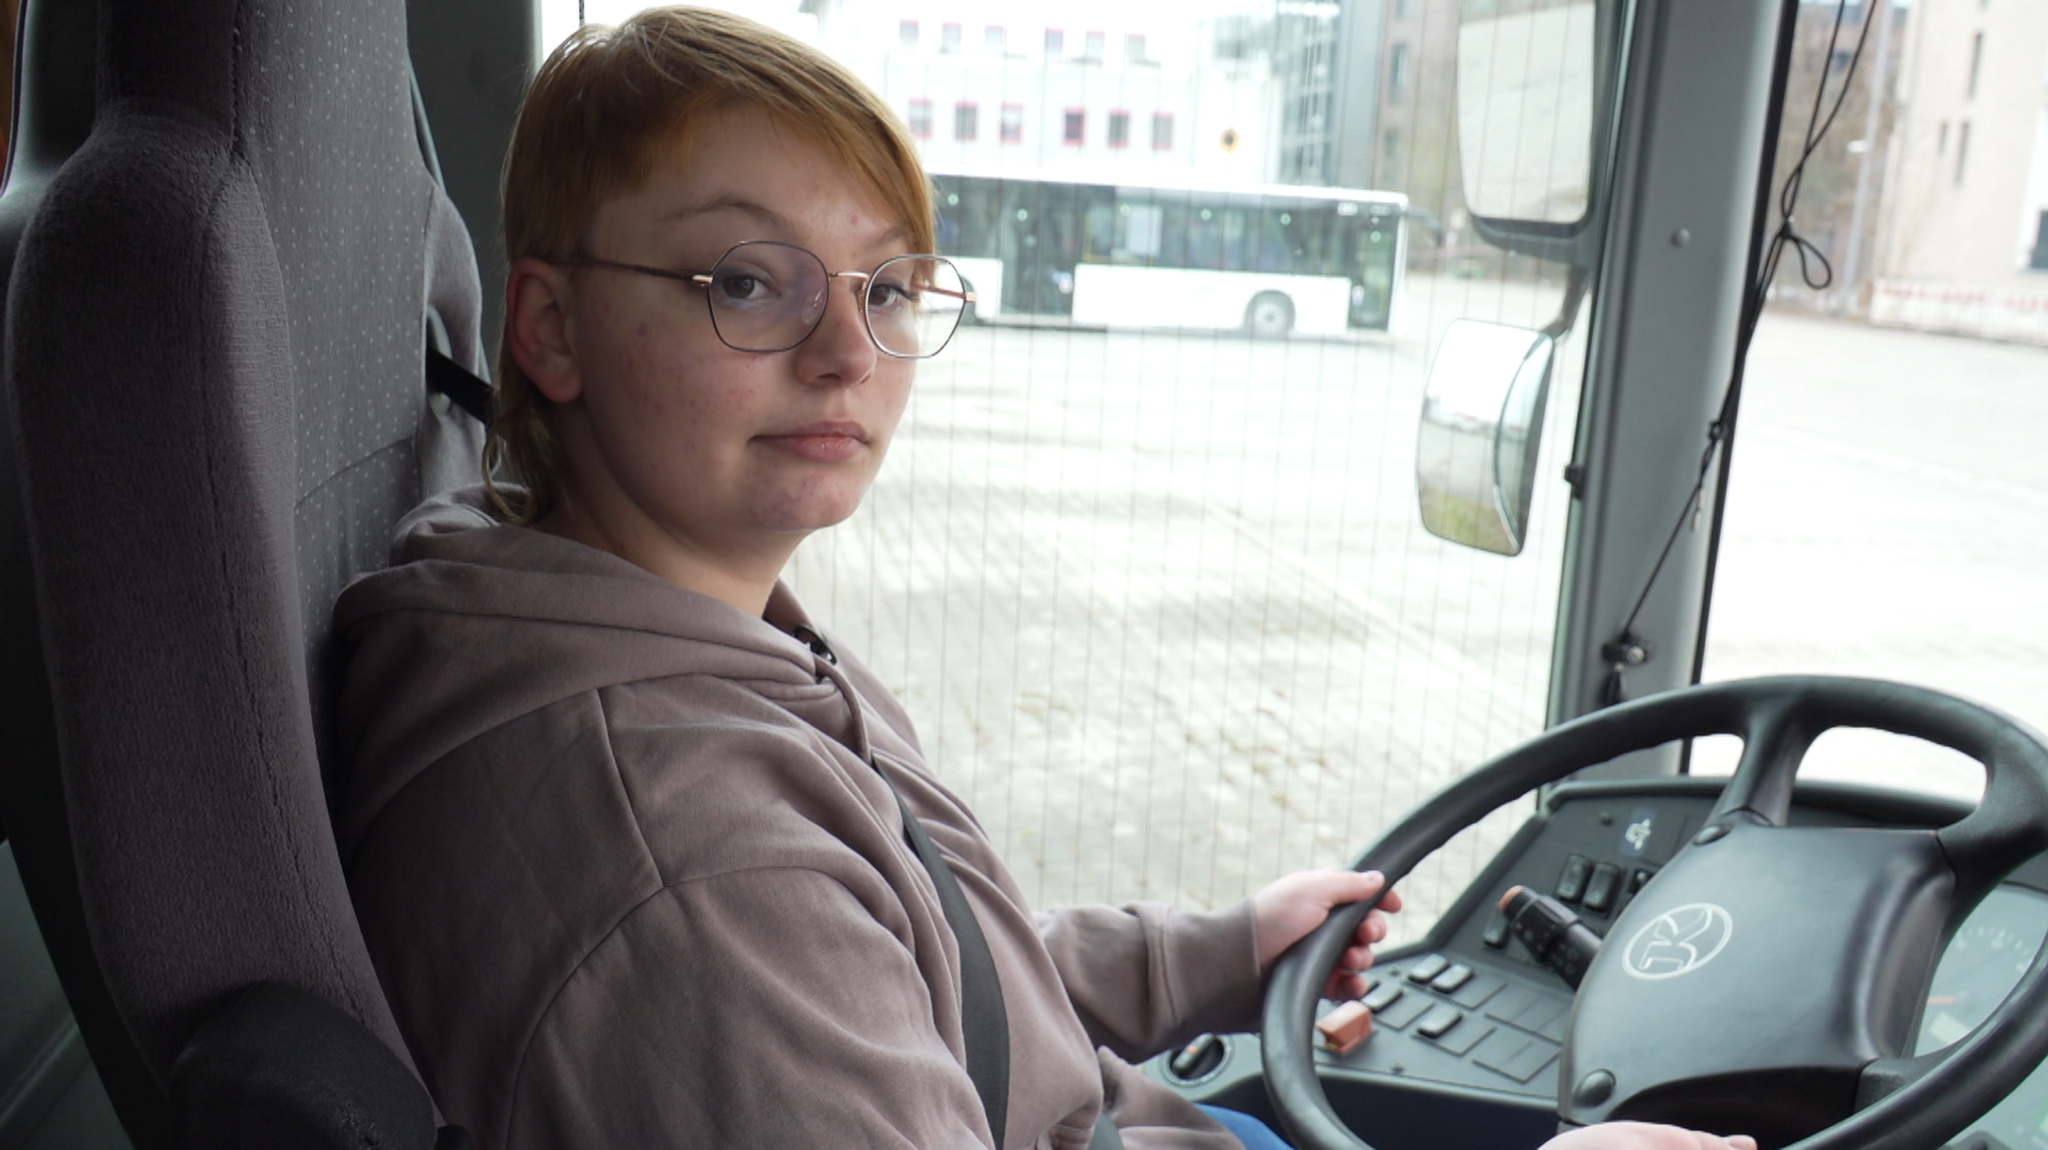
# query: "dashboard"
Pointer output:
{"type": "Point", "coordinates": [1467, 1027]}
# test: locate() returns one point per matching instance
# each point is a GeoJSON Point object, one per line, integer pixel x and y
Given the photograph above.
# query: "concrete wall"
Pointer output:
{"type": "Point", "coordinates": [1969, 163]}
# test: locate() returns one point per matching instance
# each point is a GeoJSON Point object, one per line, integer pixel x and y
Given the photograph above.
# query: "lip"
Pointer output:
{"type": "Point", "coordinates": [825, 428]}
{"type": "Point", "coordinates": [823, 441]}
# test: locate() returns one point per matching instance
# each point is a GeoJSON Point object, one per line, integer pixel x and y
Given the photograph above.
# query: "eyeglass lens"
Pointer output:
{"type": "Point", "coordinates": [768, 296]}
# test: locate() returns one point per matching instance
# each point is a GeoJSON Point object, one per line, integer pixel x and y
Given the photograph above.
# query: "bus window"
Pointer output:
{"type": "Point", "coordinates": [1101, 227]}
{"type": "Point", "coordinates": [1139, 224]}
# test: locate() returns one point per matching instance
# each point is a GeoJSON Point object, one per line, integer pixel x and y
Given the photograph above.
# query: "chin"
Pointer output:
{"type": "Point", "coordinates": [812, 514]}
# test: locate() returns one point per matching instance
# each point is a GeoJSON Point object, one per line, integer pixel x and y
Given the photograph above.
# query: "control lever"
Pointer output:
{"type": "Point", "coordinates": [1553, 934]}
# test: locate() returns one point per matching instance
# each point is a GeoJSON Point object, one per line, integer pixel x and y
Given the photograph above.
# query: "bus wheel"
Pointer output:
{"type": "Point", "coordinates": [1270, 316]}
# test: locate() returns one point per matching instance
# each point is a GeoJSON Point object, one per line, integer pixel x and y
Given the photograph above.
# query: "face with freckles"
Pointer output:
{"type": "Point", "coordinates": [704, 464]}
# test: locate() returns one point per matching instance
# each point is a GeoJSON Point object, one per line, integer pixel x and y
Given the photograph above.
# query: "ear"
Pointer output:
{"type": "Point", "coordinates": [537, 297]}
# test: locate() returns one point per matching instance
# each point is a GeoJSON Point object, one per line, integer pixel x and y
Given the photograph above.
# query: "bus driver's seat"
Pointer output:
{"type": "Point", "coordinates": [215, 336]}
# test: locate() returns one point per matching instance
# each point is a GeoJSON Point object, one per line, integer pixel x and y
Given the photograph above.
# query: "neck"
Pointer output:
{"type": "Point", "coordinates": [744, 579]}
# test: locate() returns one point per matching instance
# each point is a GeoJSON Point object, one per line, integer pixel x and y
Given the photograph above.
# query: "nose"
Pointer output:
{"type": "Point", "coordinates": [839, 352]}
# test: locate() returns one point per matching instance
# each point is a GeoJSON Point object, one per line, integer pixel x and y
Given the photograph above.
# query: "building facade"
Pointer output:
{"type": "Point", "coordinates": [1963, 234]}
{"type": "Point", "coordinates": [1074, 87]}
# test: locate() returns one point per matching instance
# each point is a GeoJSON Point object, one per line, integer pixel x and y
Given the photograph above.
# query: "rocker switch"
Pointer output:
{"type": "Point", "coordinates": [1600, 892]}
{"type": "Point", "coordinates": [1571, 885]}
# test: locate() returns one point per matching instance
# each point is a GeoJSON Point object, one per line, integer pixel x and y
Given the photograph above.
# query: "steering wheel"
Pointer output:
{"type": "Point", "coordinates": [1769, 980]}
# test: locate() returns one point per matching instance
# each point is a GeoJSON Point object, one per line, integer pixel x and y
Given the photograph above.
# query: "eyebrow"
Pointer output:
{"type": "Point", "coordinates": [786, 230]}
{"type": "Point", "coordinates": [732, 202]}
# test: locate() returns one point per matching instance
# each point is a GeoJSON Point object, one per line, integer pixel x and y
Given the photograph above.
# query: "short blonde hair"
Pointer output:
{"type": "Point", "coordinates": [604, 106]}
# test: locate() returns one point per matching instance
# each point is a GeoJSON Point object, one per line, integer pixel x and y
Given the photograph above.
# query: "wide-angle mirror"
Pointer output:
{"type": "Point", "coordinates": [1525, 108]}
{"type": "Point", "coordinates": [1482, 421]}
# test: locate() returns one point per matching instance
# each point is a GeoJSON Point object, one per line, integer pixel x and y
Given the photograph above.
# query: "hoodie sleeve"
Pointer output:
{"type": "Point", "coordinates": [1145, 977]}
{"type": "Point", "coordinates": [759, 1008]}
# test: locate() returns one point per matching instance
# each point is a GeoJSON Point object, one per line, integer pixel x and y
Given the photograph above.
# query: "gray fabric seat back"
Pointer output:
{"type": "Point", "coordinates": [215, 331]}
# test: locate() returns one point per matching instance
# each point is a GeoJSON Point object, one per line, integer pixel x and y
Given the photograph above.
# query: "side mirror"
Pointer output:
{"type": "Point", "coordinates": [1482, 422]}
{"type": "Point", "coordinates": [1536, 83]}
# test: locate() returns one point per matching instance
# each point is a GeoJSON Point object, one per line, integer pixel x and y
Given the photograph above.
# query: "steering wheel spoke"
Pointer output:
{"type": "Point", "coordinates": [1775, 738]}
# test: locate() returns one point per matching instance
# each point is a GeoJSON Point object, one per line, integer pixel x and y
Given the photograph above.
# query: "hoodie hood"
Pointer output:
{"type": "Point", "coordinates": [477, 623]}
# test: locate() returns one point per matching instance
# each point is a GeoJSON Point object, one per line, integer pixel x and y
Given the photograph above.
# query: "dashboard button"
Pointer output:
{"type": "Point", "coordinates": [1571, 885]}
{"type": "Point", "coordinates": [1436, 1022]}
{"type": "Point", "coordinates": [1605, 884]}
{"type": "Point", "coordinates": [1383, 994]}
{"type": "Point", "coordinates": [1428, 968]}
{"type": "Point", "coordinates": [1450, 980]}
{"type": "Point", "coordinates": [1639, 878]}
{"type": "Point", "coordinates": [1403, 1011]}
{"type": "Point", "coordinates": [1345, 1027]}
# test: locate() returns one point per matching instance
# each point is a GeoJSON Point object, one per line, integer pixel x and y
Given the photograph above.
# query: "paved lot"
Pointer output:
{"type": "Point", "coordinates": [1163, 612]}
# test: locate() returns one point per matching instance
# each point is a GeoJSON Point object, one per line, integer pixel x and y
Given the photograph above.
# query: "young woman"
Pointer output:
{"type": "Point", "coordinates": [626, 829]}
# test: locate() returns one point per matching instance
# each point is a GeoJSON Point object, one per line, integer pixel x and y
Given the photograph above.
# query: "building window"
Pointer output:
{"type": "Point", "coordinates": [949, 38]}
{"type": "Point", "coordinates": [1013, 123]}
{"type": "Point", "coordinates": [2039, 261]}
{"type": "Point", "coordinates": [1094, 46]}
{"type": "Point", "coordinates": [1055, 43]}
{"type": "Point", "coordinates": [1941, 140]}
{"type": "Point", "coordinates": [1397, 72]}
{"type": "Point", "coordinates": [906, 33]}
{"type": "Point", "coordinates": [996, 39]}
{"type": "Point", "coordinates": [1962, 149]}
{"type": "Point", "coordinates": [1162, 131]}
{"type": "Point", "coordinates": [966, 120]}
{"type": "Point", "coordinates": [1119, 129]}
{"type": "Point", "coordinates": [1400, 9]}
{"type": "Point", "coordinates": [1075, 127]}
{"type": "Point", "coordinates": [1976, 64]}
{"type": "Point", "coordinates": [920, 118]}
{"type": "Point", "coordinates": [1134, 49]}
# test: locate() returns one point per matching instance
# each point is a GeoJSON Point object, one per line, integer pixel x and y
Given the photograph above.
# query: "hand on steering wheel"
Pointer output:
{"type": "Point", "coordinates": [1286, 909]}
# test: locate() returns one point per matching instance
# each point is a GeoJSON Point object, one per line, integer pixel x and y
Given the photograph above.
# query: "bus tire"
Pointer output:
{"type": "Point", "coordinates": [1270, 315]}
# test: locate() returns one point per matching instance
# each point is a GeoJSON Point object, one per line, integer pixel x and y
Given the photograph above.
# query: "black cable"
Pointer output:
{"type": "Point", "coordinates": [1627, 648]}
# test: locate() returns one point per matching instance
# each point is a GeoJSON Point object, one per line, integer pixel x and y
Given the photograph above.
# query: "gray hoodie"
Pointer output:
{"type": "Point", "coordinates": [631, 879]}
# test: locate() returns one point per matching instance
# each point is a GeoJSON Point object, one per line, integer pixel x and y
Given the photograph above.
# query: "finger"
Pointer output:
{"type": "Point", "coordinates": [1374, 928]}
{"type": "Point", "coordinates": [1342, 887]}
{"type": "Point", "coordinates": [1343, 985]}
{"type": "Point", "coordinates": [1355, 959]}
{"type": "Point", "coordinates": [1391, 901]}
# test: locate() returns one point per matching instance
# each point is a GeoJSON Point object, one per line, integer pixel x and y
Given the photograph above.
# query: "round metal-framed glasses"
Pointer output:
{"type": "Point", "coordinates": [768, 296]}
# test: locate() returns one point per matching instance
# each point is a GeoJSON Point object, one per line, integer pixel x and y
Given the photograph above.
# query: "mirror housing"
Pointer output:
{"type": "Point", "coordinates": [1536, 97]}
{"type": "Point", "coordinates": [1482, 423]}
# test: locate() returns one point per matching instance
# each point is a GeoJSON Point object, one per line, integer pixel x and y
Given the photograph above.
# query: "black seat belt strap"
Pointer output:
{"type": "Point", "coordinates": [460, 385]}
{"type": "Point", "coordinates": [984, 1022]}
